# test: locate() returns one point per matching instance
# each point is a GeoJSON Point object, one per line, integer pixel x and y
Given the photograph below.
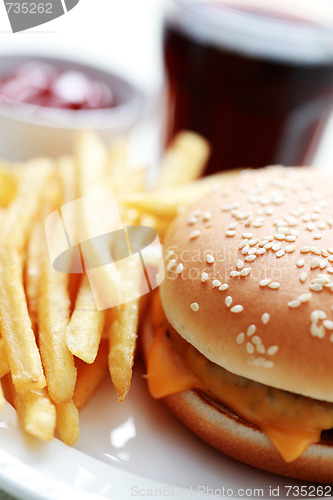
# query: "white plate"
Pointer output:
{"type": "Point", "coordinates": [134, 450]}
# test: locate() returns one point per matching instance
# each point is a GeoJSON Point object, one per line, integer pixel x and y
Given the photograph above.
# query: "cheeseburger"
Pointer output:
{"type": "Point", "coordinates": [240, 345]}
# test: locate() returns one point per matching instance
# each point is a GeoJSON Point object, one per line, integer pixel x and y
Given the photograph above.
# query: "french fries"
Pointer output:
{"type": "Point", "coordinates": [85, 328]}
{"type": "Point", "coordinates": [50, 379]}
{"type": "Point", "coordinates": [90, 376]}
{"type": "Point", "coordinates": [4, 365]}
{"type": "Point", "coordinates": [67, 422]}
{"type": "Point", "coordinates": [184, 161]}
{"type": "Point", "coordinates": [123, 331]}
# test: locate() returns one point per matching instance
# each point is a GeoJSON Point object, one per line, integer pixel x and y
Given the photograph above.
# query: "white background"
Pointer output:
{"type": "Point", "coordinates": [120, 34]}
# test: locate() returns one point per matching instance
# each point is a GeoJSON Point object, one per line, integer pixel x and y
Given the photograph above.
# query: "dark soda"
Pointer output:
{"type": "Point", "coordinates": [255, 105]}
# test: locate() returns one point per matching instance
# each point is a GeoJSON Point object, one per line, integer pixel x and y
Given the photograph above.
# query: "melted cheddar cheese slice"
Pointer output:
{"type": "Point", "coordinates": [290, 421]}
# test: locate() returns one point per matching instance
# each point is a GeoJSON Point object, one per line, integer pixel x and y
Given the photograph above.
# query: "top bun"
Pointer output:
{"type": "Point", "coordinates": [249, 279]}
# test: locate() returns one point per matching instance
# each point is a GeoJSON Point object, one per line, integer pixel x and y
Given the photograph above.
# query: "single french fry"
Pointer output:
{"type": "Point", "coordinates": [85, 328]}
{"type": "Point", "coordinates": [123, 331]}
{"type": "Point", "coordinates": [168, 202]}
{"type": "Point", "coordinates": [4, 365]}
{"type": "Point", "coordinates": [2, 397]}
{"type": "Point", "coordinates": [90, 376]}
{"type": "Point", "coordinates": [22, 211]}
{"type": "Point", "coordinates": [91, 159]}
{"type": "Point", "coordinates": [18, 336]}
{"type": "Point", "coordinates": [35, 411]}
{"type": "Point", "coordinates": [183, 161]}
{"type": "Point", "coordinates": [32, 268]}
{"type": "Point", "coordinates": [67, 177]}
{"type": "Point", "coordinates": [117, 164]}
{"type": "Point", "coordinates": [53, 318]}
{"type": "Point", "coordinates": [68, 425]}
{"type": "Point", "coordinates": [9, 179]}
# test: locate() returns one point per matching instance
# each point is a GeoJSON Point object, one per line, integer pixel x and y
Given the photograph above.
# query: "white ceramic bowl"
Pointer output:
{"type": "Point", "coordinates": [28, 130]}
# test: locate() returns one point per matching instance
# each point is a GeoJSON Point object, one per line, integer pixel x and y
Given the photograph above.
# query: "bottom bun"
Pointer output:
{"type": "Point", "coordinates": [225, 431]}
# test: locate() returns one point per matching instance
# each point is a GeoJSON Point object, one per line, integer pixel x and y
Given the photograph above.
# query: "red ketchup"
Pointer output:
{"type": "Point", "coordinates": [44, 84]}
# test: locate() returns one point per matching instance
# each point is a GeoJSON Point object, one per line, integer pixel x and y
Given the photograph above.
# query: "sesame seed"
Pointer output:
{"type": "Point", "coordinates": [194, 306]}
{"type": "Point", "coordinates": [294, 303]}
{"type": "Point", "coordinates": [279, 237]}
{"type": "Point", "coordinates": [315, 250]}
{"type": "Point", "coordinates": [237, 309]}
{"type": "Point", "coordinates": [191, 220]}
{"type": "Point", "coordinates": [268, 364]}
{"type": "Point", "coordinates": [273, 349]}
{"type": "Point", "coordinates": [249, 347]}
{"type": "Point", "coordinates": [330, 270]}
{"type": "Point", "coordinates": [310, 226]}
{"type": "Point", "coordinates": [256, 340]}
{"type": "Point", "coordinates": [290, 248]}
{"type": "Point", "coordinates": [242, 243]}
{"type": "Point", "coordinates": [276, 247]}
{"type": "Point", "coordinates": [204, 277]}
{"type": "Point", "coordinates": [268, 245]}
{"type": "Point", "coordinates": [206, 216]}
{"type": "Point", "coordinates": [265, 318]}
{"type": "Point", "coordinates": [250, 258]}
{"type": "Point", "coordinates": [246, 271]}
{"type": "Point", "coordinates": [305, 249]}
{"type": "Point", "coordinates": [253, 241]}
{"type": "Point", "coordinates": [316, 287]}
{"type": "Point", "coordinates": [240, 338]}
{"type": "Point", "coordinates": [233, 274]}
{"type": "Point", "coordinates": [306, 297]}
{"type": "Point", "coordinates": [314, 263]}
{"type": "Point", "coordinates": [317, 331]}
{"type": "Point", "coordinates": [303, 276]}
{"type": "Point", "coordinates": [265, 282]}
{"type": "Point", "coordinates": [280, 253]}
{"type": "Point", "coordinates": [259, 361]}
{"type": "Point", "coordinates": [261, 251]}
{"type": "Point", "coordinates": [223, 287]}
{"type": "Point", "coordinates": [210, 259]}
{"type": "Point", "coordinates": [261, 348]}
{"type": "Point", "coordinates": [195, 234]}
{"type": "Point", "coordinates": [274, 285]}
{"type": "Point", "coordinates": [228, 301]}
{"type": "Point", "coordinates": [300, 262]}
{"type": "Point", "coordinates": [170, 254]}
{"type": "Point", "coordinates": [317, 236]}
{"type": "Point", "coordinates": [245, 249]}
{"type": "Point", "coordinates": [290, 237]}
{"type": "Point", "coordinates": [179, 268]}
{"type": "Point", "coordinates": [230, 233]}
{"type": "Point", "coordinates": [323, 264]}
{"type": "Point", "coordinates": [251, 330]}
{"type": "Point", "coordinates": [239, 264]}
{"type": "Point", "coordinates": [247, 235]}
{"type": "Point", "coordinates": [171, 264]}
{"type": "Point", "coordinates": [328, 324]}
{"type": "Point", "coordinates": [216, 283]}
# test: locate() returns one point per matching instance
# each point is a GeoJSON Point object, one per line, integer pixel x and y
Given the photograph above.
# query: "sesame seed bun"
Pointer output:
{"type": "Point", "coordinates": [249, 278]}
{"type": "Point", "coordinates": [221, 428]}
